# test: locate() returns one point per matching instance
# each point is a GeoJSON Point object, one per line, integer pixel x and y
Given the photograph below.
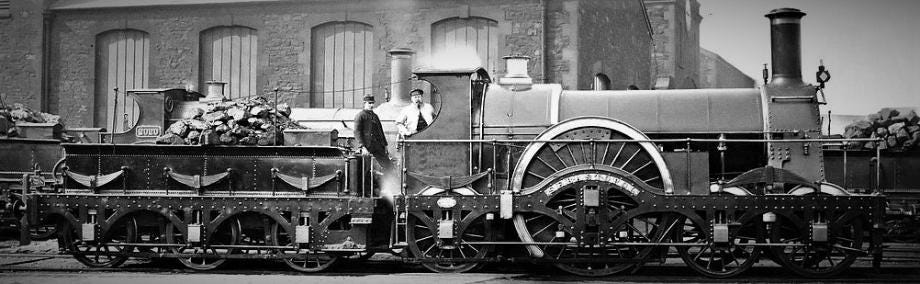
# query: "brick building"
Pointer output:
{"type": "Point", "coordinates": [676, 37]}
{"type": "Point", "coordinates": [715, 72]}
{"type": "Point", "coordinates": [66, 57]}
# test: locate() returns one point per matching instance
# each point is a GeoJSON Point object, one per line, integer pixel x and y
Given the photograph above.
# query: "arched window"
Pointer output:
{"type": "Point", "coordinates": [476, 34]}
{"type": "Point", "coordinates": [343, 64]}
{"type": "Point", "coordinates": [601, 82]}
{"type": "Point", "coordinates": [229, 54]}
{"type": "Point", "coordinates": [122, 60]}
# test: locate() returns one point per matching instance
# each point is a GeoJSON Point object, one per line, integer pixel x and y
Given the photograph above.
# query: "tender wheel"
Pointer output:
{"type": "Point", "coordinates": [720, 260]}
{"type": "Point", "coordinates": [818, 259]}
{"type": "Point", "coordinates": [209, 258]}
{"type": "Point", "coordinates": [424, 243]}
{"type": "Point", "coordinates": [97, 254]}
{"type": "Point", "coordinates": [311, 262]}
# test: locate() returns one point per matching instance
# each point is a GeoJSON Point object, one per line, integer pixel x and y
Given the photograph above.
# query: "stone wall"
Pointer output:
{"type": "Point", "coordinates": [568, 40]}
{"type": "Point", "coordinates": [675, 26]}
{"type": "Point", "coordinates": [715, 72]}
{"type": "Point", "coordinates": [21, 54]}
{"type": "Point", "coordinates": [614, 40]}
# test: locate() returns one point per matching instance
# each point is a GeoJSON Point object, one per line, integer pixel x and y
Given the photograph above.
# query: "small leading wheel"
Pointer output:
{"type": "Point", "coordinates": [104, 252]}
{"type": "Point", "coordinates": [720, 260]}
{"type": "Point", "coordinates": [425, 244]}
{"type": "Point", "coordinates": [310, 262]}
{"type": "Point", "coordinates": [42, 232]}
{"type": "Point", "coordinates": [812, 259]}
{"type": "Point", "coordinates": [207, 258]}
{"type": "Point", "coordinates": [46, 229]}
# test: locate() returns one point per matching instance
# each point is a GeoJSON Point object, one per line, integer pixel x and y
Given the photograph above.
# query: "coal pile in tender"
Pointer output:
{"type": "Point", "coordinates": [241, 122]}
{"type": "Point", "coordinates": [11, 114]}
{"type": "Point", "coordinates": [898, 130]}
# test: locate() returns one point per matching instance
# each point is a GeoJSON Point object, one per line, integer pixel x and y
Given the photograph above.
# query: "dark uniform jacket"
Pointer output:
{"type": "Point", "coordinates": [369, 132]}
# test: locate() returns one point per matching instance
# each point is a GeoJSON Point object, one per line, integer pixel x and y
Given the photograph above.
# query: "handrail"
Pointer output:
{"type": "Point", "coordinates": [640, 140]}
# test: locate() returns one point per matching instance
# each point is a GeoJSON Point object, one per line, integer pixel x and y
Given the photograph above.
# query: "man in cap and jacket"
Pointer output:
{"type": "Point", "coordinates": [369, 134]}
{"type": "Point", "coordinates": [416, 116]}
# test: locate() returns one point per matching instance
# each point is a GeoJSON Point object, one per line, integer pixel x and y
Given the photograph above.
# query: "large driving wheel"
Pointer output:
{"type": "Point", "coordinates": [818, 259]}
{"type": "Point", "coordinates": [103, 252]}
{"type": "Point", "coordinates": [586, 233]}
{"type": "Point", "coordinates": [454, 255]}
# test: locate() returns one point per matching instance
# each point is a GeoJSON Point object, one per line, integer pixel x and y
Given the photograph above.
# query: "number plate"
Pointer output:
{"type": "Point", "coordinates": [147, 131]}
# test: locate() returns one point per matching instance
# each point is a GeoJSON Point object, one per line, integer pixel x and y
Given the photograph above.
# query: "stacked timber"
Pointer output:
{"type": "Point", "coordinates": [898, 130]}
{"type": "Point", "coordinates": [241, 122]}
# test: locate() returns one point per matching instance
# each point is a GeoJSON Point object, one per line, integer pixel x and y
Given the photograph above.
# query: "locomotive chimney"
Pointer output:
{"type": "Point", "coordinates": [400, 72]}
{"type": "Point", "coordinates": [786, 46]}
{"type": "Point", "coordinates": [516, 73]}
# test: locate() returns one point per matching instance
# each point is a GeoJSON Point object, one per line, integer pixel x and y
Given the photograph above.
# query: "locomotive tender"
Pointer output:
{"type": "Point", "coordinates": [593, 182]}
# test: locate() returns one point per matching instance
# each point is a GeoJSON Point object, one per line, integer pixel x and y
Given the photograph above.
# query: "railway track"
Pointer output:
{"type": "Point", "coordinates": [897, 256]}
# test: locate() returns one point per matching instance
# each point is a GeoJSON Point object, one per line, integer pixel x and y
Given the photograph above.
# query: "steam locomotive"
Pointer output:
{"type": "Point", "coordinates": [592, 182]}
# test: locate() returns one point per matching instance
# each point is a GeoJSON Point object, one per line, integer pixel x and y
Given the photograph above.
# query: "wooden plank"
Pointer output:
{"type": "Point", "coordinates": [329, 66]}
{"type": "Point", "coordinates": [215, 56]}
{"type": "Point", "coordinates": [348, 66]}
{"type": "Point", "coordinates": [437, 38]}
{"type": "Point", "coordinates": [360, 57]}
{"type": "Point", "coordinates": [253, 62]}
{"type": "Point", "coordinates": [101, 97]}
{"type": "Point", "coordinates": [225, 58]}
{"type": "Point", "coordinates": [318, 46]}
{"type": "Point", "coordinates": [146, 63]}
{"type": "Point", "coordinates": [206, 67]}
{"type": "Point", "coordinates": [339, 79]}
{"type": "Point", "coordinates": [130, 62]}
{"type": "Point", "coordinates": [493, 55]}
{"type": "Point", "coordinates": [120, 83]}
{"type": "Point", "coordinates": [245, 82]}
{"type": "Point", "coordinates": [450, 34]}
{"type": "Point", "coordinates": [112, 81]}
{"type": "Point", "coordinates": [368, 62]}
{"type": "Point", "coordinates": [235, 53]}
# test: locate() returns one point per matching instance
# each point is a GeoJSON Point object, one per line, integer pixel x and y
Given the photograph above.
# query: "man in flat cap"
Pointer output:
{"type": "Point", "coordinates": [416, 116]}
{"type": "Point", "coordinates": [369, 134]}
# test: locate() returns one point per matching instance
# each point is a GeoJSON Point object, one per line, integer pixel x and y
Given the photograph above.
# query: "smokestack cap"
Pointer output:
{"type": "Point", "coordinates": [401, 51]}
{"type": "Point", "coordinates": [785, 13]}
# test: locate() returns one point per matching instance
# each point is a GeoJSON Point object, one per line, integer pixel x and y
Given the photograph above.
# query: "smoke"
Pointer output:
{"type": "Point", "coordinates": [389, 187]}
{"type": "Point", "coordinates": [458, 57]}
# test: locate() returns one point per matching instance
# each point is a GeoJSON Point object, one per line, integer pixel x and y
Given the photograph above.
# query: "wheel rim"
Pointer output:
{"type": "Point", "coordinates": [226, 234]}
{"type": "Point", "coordinates": [96, 254]}
{"type": "Point", "coordinates": [818, 260]}
{"type": "Point", "coordinates": [424, 243]}
{"type": "Point", "coordinates": [720, 261]}
{"type": "Point", "coordinates": [311, 262]}
{"type": "Point", "coordinates": [541, 160]}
